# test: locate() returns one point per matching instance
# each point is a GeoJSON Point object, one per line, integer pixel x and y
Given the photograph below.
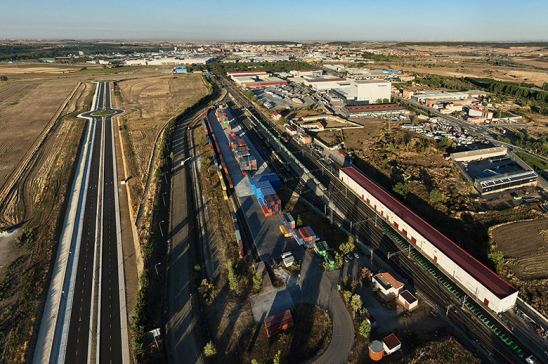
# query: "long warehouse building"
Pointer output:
{"type": "Point", "coordinates": [481, 282]}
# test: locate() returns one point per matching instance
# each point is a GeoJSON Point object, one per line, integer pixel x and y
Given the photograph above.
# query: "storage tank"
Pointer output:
{"type": "Point", "coordinates": [376, 350]}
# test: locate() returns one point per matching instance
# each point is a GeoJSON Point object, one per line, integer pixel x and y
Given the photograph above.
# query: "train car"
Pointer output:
{"type": "Point", "coordinates": [480, 282]}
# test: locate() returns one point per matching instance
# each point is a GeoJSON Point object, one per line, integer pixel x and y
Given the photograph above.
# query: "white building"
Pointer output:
{"type": "Point", "coordinates": [388, 286]}
{"type": "Point", "coordinates": [470, 274]}
{"type": "Point", "coordinates": [374, 92]}
{"type": "Point", "coordinates": [408, 300]}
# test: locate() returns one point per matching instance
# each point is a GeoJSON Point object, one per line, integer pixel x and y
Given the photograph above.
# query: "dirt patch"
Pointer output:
{"type": "Point", "coordinates": [309, 337]}
{"type": "Point", "coordinates": [311, 334]}
{"type": "Point", "coordinates": [447, 350]}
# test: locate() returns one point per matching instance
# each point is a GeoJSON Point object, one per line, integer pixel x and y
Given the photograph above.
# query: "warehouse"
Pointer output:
{"type": "Point", "coordinates": [363, 92]}
{"type": "Point", "coordinates": [447, 96]}
{"type": "Point", "coordinates": [493, 170]}
{"type": "Point", "coordinates": [482, 283]}
{"type": "Point", "coordinates": [375, 110]}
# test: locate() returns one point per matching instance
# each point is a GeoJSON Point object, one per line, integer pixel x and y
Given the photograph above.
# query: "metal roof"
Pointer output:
{"type": "Point", "coordinates": [475, 268]}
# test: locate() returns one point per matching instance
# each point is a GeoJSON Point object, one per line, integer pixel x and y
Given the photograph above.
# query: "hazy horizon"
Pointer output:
{"type": "Point", "coordinates": [243, 20]}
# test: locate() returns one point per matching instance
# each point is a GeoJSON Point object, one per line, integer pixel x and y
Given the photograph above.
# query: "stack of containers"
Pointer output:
{"type": "Point", "coordinates": [224, 116]}
{"type": "Point", "coordinates": [288, 225]}
{"type": "Point", "coordinates": [305, 236]}
{"type": "Point", "coordinates": [272, 178]}
{"type": "Point", "coordinates": [266, 195]}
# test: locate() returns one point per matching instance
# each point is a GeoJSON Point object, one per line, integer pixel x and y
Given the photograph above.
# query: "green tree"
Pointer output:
{"type": "Point", "coordinates": [346, 296]}
{"type": "Point", "coordinates": [356, 303]}
{"type": "Point", "coordinates": [257, 281]}
{"type": "Point", "coordinates": [436, 196]}
{"type": "Point", "coordinates": [349, 246]}
{"type": "Point", "coordinates": [401, 189]}
{"type": "Point", "coordinates": [233, 279]}
{"type": "Point", "coordinates": [209, 349]}
{"type": "Point", "coordinates": [277, 358]}
{"type": "Point", "coordinates": [364, 329]}
{"type": "Point", "coordinates": [3, 78]}
{"type": "Point", "coordinates": [497, 258]}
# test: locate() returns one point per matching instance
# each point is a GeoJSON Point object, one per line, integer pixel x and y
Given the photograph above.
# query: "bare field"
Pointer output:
{"type": "Point", "coordinates": [525, 245]}
{"type": "Point", "coordinates": [25, 109]}
{"type": "Point", "coordinates": [470, 70]}
{"type": "Point", "coordinates": [148, 104]}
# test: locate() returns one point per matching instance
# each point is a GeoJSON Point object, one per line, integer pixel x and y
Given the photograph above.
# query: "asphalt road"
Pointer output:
{"type": "Point", "coordinates": [80, 326]}
{"type": "Point", "coordinates": [181, 321]}
{"type": "Point", "coordinates": [99, 234]}
{"type": "Point", "coordinates": [110, 340]}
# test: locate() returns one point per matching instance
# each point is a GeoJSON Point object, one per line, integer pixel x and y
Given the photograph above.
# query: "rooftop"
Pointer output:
{"type": "Point", "coordinates": [391, 341]}
{"type": "Point", "coordinates": [475, 268]}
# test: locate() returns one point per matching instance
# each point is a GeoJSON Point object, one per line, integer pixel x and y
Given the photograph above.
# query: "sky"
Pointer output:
{"type": "Point", "coordinates": [302, 20]}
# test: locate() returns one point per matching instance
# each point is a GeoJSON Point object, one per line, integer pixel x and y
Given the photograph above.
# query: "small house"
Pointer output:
{"type": "Point", "coordinates": [388, 286]}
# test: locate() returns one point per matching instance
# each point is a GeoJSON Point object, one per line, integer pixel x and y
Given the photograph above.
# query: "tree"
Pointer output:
{"type": "Point", "coordinates": [401, 189]}
{"type": "Point", "coordinates": [257, 281]}
{"type": "Point", "coordinates": [364, 329]}
{"type": "Point", "coordinates": [209, 349]}
{"type": "Point", "coordinates": [349, 246]}
{"type": "Point", "coordinates": [299, 221]}
{"type": "Point", "coordinates": [346, 296]}
{"type": "Point", "coordinates": [277, 357]}
{"type": "Point", "coordinates": [497, 257]}
{"type": "Point", "coordinates": [233, 279]}
{"type": "Point", "coordinates": [3, 78]}
{"type": "Point", "coordinates": [356, 303]}
{"type": "Point", "coordinates": [436, 196]}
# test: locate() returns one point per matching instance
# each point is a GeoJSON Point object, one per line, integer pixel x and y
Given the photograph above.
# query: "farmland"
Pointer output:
{"type": "Point", "coordinates": [524, 245]}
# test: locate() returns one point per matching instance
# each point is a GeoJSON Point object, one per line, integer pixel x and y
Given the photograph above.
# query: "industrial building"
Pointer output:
{"type": "Point", "coordinates": [364, 92]}
{"type": "Point", "coordinates": [474, 277]}
{"type": "Point", "coordinates": [493, 170]}
{"type": "Point", "coordinates": [375, 110]}
{"type": "Point", "coordinates": [447, 96]}
{"type": "Point", "coordinates": [255, 79]}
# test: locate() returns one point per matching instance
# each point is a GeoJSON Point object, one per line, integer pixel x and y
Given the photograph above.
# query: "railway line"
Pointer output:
{"type": "Point", "coordinates": [489, 331]}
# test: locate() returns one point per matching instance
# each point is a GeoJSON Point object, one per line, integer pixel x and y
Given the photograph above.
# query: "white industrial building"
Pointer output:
{"type": "Point", "coordinates": [448, 96]}
{"type": "Point", "coordinates": [366, 91]}
{"type": "Point", "coordinates": [474, 277]}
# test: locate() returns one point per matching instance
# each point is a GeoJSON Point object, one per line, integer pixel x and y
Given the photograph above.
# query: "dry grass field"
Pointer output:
{"type": "Point", "coordinates": [148, 104]}
{"type": "Point", "coordinates": [26, 106]}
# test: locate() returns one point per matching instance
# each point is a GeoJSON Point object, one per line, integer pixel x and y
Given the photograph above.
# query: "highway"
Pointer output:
{"type": "Point", "coordinates": [95, 326]}
{"type": "Point", "coordinates": [368, 230]}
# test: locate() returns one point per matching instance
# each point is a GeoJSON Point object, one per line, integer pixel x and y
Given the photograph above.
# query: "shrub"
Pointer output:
{"type": "Point", "coordinates": [364, 329]}
{"type": "Point", "coordinates": [210, 350]}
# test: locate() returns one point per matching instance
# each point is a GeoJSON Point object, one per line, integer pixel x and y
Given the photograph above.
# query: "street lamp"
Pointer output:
{"type": "Point", "coordinates": [160, 226]}
{"type": "Point", "coordinates": [156, 269]}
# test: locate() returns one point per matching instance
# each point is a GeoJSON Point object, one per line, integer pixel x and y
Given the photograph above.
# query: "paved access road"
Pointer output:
{"type": "Point", "coordinates": [181, 324]}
